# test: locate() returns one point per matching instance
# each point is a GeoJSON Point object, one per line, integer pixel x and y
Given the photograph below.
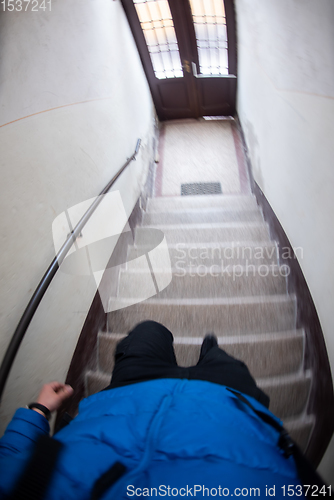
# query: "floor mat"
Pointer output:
{"type": "Point", "coordinates": [201, 188]}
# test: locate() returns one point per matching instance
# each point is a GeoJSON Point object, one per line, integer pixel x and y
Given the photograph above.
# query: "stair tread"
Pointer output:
{"type": "Point", "coordinates": [202, 201]}
{"type": "Point", "coordinates": [265, 354]}
{"type": "Point", "coordinates": [195, 210]}
{"type": "Point", "coordinates": [298, 421]}
{"type": "Point", "coordinates": [245, 253]}
{"type": "Point", "coordinates": [285, 379]}
{"type": "Point", "coordinates": [205, 225]}
{"type": "Point", "coordinates": [215, 300]}
{"type": "Point", "coordinates": [193, 216]}
{"type": "Point", "coordinates": [215, 245]}
{"type": "Point", "coordinates": [200, 268]}
{"type": "Point", "coordinates": [214, 281]}
{"type": "Point", "coordinates": [228, 197]}
{"type": "Point", "coordinates": [226, 316]}
{"type": "Point", "coordinates": [235, 339]}
{"type": "Point", "coordinates": [300, 429]}
{"type": "Point", "coordinates": [212, 232]}
{"type": "Point", "coordinates": [288, 393]}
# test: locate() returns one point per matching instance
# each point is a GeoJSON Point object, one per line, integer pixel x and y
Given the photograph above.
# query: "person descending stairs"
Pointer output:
{"type": "Point", "coordinates": [225, 279]}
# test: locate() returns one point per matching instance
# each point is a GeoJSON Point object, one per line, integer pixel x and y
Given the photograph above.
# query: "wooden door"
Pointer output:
{"type": "Point", "coordinates": [190, 72]}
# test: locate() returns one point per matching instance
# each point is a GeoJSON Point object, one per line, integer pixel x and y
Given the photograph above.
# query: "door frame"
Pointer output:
{"type": "Point", "coordinates": [196, 86]}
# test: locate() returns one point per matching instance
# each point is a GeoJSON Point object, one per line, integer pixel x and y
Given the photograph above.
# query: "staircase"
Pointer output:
{"type": "Point", "coordinates": [226, 279]}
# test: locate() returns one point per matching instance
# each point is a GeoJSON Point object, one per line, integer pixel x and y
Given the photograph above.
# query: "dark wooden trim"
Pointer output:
{"type": "Point", "coordinates": [191, 34]}
{"type": "Point", "coordinates": [231, 37]}
{"type": "Point", "coordinates": [85, 354]}
{"type": "Point", "coordinates": [321, 401]}
{"type": "Point", "coordinates": [184, 30]}
{"type": "Point", "coordinates": [242, 165]}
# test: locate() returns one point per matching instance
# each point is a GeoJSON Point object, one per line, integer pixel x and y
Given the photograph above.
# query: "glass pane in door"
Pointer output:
{"type": "Point", "coordinates": [211, 36]}
{"type": "Point", "coordinates": [158, 28]}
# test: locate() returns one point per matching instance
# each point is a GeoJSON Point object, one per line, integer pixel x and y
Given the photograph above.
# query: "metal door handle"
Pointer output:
{"type": "Point", "coordinates": [186, 66]}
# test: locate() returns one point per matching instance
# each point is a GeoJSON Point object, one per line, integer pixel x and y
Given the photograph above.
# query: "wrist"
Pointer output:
{"type": "Point", "coordinates": [41, 409]}
{"type": "Point", "coordinates": [38, 411]}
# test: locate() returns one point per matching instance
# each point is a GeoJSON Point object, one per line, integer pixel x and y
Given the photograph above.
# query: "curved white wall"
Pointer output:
{"type": "Point", "coordinates": [286, 108]}
{"type": "Point", "coordinates": [73, 99]}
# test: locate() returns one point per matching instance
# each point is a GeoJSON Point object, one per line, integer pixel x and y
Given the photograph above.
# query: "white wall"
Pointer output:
{"type": "Point", "coordinates": [73, 99]}
{"type": "Point", "coordinates": [286, 108]}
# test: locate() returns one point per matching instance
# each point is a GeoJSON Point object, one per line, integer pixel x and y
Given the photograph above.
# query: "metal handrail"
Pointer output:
{"type": "Point", "coordinates": [35, 300]}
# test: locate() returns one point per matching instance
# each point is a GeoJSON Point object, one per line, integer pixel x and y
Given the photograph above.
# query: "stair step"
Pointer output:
{"type": "Point", "coordinates": [208, 254]}
{"type": "Point", "coordinates": [198, 316]}
{"type": "Point", "coordinates": [166, 203]}
{"type": "Point", "coordinates": [106, 350]}
{"type": "Point", "coordinates": [195, 216]}
{"type": "Point", "coordinates": [288, 394]}
{"type": "Point", "coordinates": [95, 381]}
{"type": "Point", "coordinates": [195, 233]}
{"type": "Point", "coordinates": [204, 282]}
{"type": "Point", "coordinates": [266, 355]}
{"type": "Point", "coordinates": [300, 429]}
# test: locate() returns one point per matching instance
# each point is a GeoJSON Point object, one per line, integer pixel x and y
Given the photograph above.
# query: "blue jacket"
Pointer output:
{"type": "Point", "coordinates": [175, 437]}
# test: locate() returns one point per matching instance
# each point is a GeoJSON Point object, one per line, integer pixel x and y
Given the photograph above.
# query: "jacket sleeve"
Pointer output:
{"type": "Point", "coordinates": [22, 432]}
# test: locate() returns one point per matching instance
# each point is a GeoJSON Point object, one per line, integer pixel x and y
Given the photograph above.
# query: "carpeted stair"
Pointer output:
{"type": "Point", "coordinates": [226, 280]}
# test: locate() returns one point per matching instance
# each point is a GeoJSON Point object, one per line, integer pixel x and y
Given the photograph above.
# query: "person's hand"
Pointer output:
{"type": "Point", "coordinates": [52, 395]}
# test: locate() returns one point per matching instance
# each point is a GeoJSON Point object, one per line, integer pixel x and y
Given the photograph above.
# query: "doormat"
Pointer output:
{"type": "Point", "coordinates": [201, 188]}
